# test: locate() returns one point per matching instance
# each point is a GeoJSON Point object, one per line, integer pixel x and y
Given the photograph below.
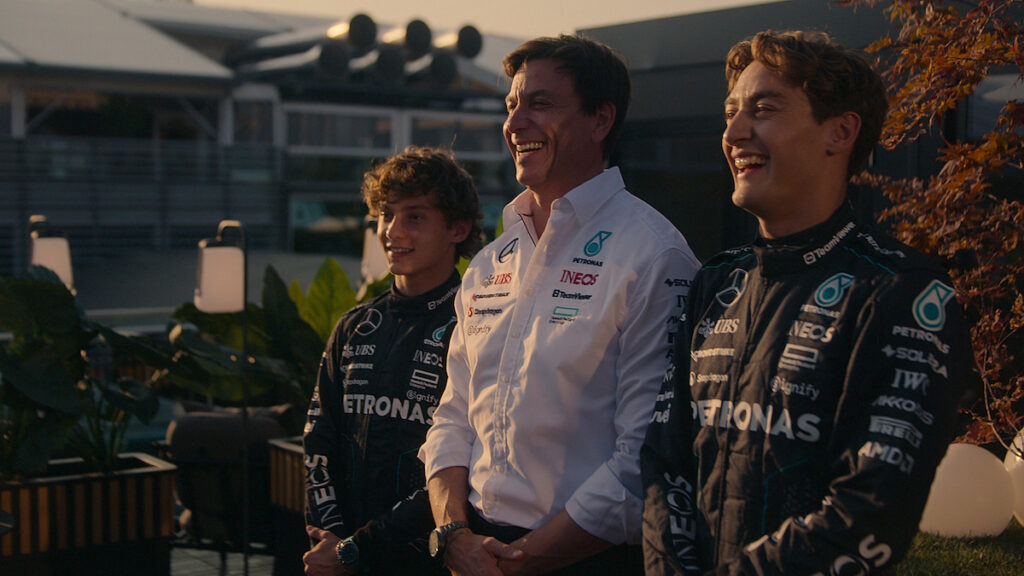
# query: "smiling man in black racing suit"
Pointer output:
{"type": "Point", "coordinates": [818, 371]}
{"type": "Point", "coordinates": [383, 371]}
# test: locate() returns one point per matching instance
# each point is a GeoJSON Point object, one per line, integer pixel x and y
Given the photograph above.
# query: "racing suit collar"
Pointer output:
{"type": "Point", "coordinates": [424, 303]}
{"type": "Point", "coordinates": [805, 249]}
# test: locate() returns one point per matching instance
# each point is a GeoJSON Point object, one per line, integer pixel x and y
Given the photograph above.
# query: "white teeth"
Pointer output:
{"type": "Point", "coordinates": [747, 161]}
{"type": "Point", "coordinates": [528, 147]}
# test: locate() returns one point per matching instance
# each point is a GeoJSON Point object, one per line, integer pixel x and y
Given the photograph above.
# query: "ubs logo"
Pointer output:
{"type": "Point", "coordinates": [497, 279]}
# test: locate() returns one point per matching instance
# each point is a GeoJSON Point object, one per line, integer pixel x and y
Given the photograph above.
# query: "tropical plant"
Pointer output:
{"type": "Point", "coordinates": [285, 339]}
{"type": "Point", "coordinates": [970, 213]}
{"type": "Point", "coordinates": [49, 400]}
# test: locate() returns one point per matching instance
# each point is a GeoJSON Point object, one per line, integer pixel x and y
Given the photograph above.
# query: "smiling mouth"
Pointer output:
{"type": "Point", "coordinates": [743, 163]}
{"type": "Point", "coordinates": [529, 146]}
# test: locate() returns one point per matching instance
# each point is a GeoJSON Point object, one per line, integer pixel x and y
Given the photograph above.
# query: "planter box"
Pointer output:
{"type": "Point", "coordinates": [91, 523]}
{"type": "Point", "coordinates": [287, 504]}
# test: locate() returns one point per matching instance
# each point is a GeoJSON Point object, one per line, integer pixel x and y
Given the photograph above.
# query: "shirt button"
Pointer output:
{"type": "Point", "coordinates": [499, 468]}
{"type": "Point", "coordinates": [515, 334]}
{"type": "Point", "coordinates": [504, 379]}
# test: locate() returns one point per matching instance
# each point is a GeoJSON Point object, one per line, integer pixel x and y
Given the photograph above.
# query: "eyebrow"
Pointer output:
{"type": "Point", "coordinates": [755, 97]}
{"type": "Point", "coordinates": [532, 94]}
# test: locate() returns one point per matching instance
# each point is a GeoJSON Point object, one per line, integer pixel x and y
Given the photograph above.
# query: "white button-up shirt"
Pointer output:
{"type": "Point", "coordinates": [557, 357]}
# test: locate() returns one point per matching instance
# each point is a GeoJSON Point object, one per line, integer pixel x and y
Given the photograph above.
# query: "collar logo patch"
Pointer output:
{"type": "Point", "coordinates": [930, 306]}
{"type": "Point", "coordinates": [832, 290]}
{"type": "Point", "coordinates": [595, 244]}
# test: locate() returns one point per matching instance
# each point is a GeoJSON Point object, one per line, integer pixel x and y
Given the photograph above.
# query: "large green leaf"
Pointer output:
{"type": "Point", "coordinates": [132, 397]}
{"type": "Point", "coordinates": [291, 337]}
{"type": "Point", "coordinates": [29, 305]}
{"type": "Point", "coordinates": [329, 296]}
{"type": "Point", "coordinates": [42, 378]}
{"type": "Point", "coordinates": [227, 328]}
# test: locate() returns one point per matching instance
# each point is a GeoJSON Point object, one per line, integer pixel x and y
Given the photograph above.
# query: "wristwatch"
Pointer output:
{"type": "Point", "coordinates": [439, 536]}
{"type": "Point", "coordinates": [348, 553]}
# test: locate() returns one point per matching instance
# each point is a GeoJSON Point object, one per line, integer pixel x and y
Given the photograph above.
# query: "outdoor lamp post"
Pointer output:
{"type": "Point", "coordinates": [221, 289]}
{"type": "Point", "coordinates": [50, 249]}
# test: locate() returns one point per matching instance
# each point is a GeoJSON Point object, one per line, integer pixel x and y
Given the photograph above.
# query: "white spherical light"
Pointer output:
{"type": "Point", "coordinates": [1015, 466]}
{"type": "Point", "coordinates": [969, 495]}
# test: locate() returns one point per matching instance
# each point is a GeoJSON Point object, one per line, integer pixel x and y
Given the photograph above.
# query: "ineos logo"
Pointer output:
{"type": "Point", "coordinates": [370, 322]}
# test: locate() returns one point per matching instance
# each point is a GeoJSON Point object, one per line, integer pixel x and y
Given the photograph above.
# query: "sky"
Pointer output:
{"type": "Point", "coordinates": [520, 19]}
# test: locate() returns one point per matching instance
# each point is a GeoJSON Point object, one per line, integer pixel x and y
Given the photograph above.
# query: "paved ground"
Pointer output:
{"type": "Point", "coordinates": [193, 562]}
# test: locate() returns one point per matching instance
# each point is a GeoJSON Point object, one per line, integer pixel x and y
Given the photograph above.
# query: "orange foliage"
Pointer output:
{"type": "Point", "coordinates": [934, 57]}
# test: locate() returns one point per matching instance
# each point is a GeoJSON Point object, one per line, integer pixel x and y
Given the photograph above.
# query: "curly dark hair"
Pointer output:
{"type": "Point", "coordinates": [835, 79]}
{"type": "Point", "coordinates": [424, 170]}
{"type": "Point", "coordinates": [599, 73]}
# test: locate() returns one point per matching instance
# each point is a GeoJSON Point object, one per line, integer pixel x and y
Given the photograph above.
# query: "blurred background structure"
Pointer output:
{"type": "Point", "coordinates": [135, 126]}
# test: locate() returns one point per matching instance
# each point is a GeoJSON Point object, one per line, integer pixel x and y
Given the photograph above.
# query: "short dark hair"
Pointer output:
{"type": "Point", "coordinates": [835, 79]}
{"type": "Point", "coordinates": [599, 73]}
{"type": "Point", "coordinates": [424, 170]}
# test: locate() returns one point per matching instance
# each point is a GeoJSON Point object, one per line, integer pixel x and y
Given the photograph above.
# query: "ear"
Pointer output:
{"type": "Point", "coordinates": [459, 231]}
{"type": "Point", "coordinates": [843, 133]}
{"type": "Point", "coordinates": [604, 117]}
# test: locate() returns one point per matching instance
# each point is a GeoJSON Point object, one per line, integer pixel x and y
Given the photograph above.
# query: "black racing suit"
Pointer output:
{"type": "Point", "coordinates": [380, 379]}
{"type": "Point", "coordinates": [814, 391]}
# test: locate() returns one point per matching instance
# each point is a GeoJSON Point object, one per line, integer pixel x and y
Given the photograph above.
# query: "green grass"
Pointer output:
{"type": "Point", "coordinates": [937, 556]}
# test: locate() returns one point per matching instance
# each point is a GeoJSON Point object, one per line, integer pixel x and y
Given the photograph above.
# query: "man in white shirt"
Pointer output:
{"type": "Point", "coordinates": [564, 331]}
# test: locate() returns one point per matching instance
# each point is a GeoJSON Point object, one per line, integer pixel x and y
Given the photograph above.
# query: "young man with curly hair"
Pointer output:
{"type": "Point", "coordinates": [816, 379]}
{"type": "Point", "coordinates": [383, 371]}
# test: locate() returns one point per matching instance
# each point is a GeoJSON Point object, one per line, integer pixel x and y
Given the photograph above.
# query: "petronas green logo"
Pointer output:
{"type": "Point", "coordinates": [594, 245]}
{"type": "Point", "coordinates": [831, 291]}
{"type": "Point", "coordinates": [930, 306]}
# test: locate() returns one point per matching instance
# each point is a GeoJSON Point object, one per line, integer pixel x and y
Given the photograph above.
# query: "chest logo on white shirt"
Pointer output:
{"type": "Point", "coordinates": [508, 250]}
{"type": "Point", "coordinates": [579, 278]}
{"type": "Point", "coordinates": [594, 245]}
{"type": "Point", "coordinates": [497, 279]}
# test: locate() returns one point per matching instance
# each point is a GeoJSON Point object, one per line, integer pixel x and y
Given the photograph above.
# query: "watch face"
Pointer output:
{"type": "Point", "coordinates": [434, 543]}
{"type": "Point", "coordinates": [348, 553]}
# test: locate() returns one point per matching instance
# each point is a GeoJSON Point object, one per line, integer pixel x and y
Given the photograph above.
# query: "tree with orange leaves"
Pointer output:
{"type": "Point", "coordinates": [971, 213]}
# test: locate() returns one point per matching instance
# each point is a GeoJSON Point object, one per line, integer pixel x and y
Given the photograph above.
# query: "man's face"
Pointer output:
{"type": "Point", "coordinates": [554, 144]}
{"type": "Point", "coordinates": [775, 150]}
{"type": "Point", "coordinates": [419, 244]}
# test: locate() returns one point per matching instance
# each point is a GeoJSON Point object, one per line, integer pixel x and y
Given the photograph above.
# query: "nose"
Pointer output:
{"type": "Point", "coordinates": [737, 129]}
{"type": "Point", "coordinates": [515, 120]}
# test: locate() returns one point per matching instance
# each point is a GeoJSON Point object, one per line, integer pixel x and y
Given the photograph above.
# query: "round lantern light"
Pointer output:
{"type": "Point", "coordinates": [969, 494]}
{"type": "Point", "coordinates": [1015, 466]}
